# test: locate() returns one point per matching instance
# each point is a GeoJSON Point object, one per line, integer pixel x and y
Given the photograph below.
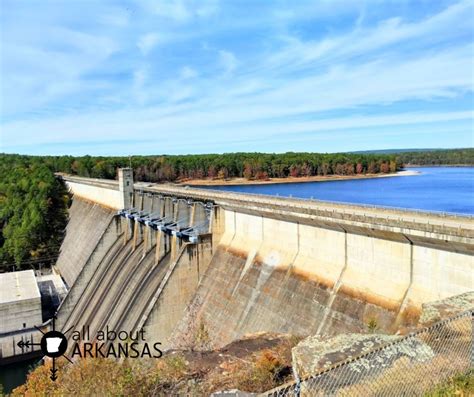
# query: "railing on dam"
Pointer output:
{"type": "Point", "coordinates": [341, 216]}
{"type": "Point", "coordinates": [389, 208]}
{"type": "Point", "coordinates": [219, 195]}
{"type": "Point", "coordinates": [410, 366]}
{"type": "Point", "coordinates": [383, 218]}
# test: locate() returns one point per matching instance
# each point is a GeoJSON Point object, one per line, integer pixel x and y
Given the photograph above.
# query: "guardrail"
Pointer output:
{"type": "Point", "coordinates": [364, 216]}
{"type": "Point", "coordinates": [345, 203]}
{"type": "Point", "coordinates": [215, 194]}
{"type": "Point", "coordinates": [427, 220]}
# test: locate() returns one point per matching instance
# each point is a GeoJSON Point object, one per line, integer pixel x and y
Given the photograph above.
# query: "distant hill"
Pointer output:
{"type": "Point", "coordinates": [436, 157]}
{"type": "Point", "coordinates": [395, 151]}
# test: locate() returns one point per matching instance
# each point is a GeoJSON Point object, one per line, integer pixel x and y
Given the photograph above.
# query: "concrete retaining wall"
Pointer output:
{"type": "Point", "coordinates": [273, 275]}
{"type": "Point", "coordinates": [109, 242]}
{"type": "Point", "coordinates": [379, 270]}
{"type": "Point", "coordinates": [106, 196]}
{"type": "Point", "coordinates": [87, 223]}
{"type": "Point", "coordinates": [177, 291]}
{"type": "Point", "coordinates": [235, 299]}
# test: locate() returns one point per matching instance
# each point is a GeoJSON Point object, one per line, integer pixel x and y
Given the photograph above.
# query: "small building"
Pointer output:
{"type": "Point", "coordinates": [27, 301]}
{"type": "Point", "coordinates": [20, 301]}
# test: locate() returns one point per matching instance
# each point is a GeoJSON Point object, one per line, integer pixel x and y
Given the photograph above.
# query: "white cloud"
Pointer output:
{"type": "Point", "coordinates": [188, 73]}
{"type": "Point", "coordinates": [182, 11]}
{"type": "Point", "coordinates": [174, 9]}
{"type": "Point", "coordinates": [147, 124]}
{"type": "Point", "coordinates": [326, 50]}
{"type": "Point", "coordinates": [223, 113]}
{"type": "Point", "coordinates": [119, 17]}
{"type": "Point", "coordinates": [282, 86]}
{"type": "Point", "coordinates": [207, 8]}
{"type": "Point", "coordinates": [140, 77]}
{"type": "Point", "coordinates": [54, 68]}
{"type": "Point", "coordinates": [147, 42]}
{"type": "Point", "coordinates": [227, 61]}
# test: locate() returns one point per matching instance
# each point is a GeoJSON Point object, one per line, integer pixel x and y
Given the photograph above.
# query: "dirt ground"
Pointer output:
{"type": "Point", "coordinates": [255, 363]}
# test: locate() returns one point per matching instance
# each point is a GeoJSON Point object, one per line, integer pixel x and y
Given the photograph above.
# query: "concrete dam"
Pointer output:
{"type": "Point", "coordinates": [169, 259]}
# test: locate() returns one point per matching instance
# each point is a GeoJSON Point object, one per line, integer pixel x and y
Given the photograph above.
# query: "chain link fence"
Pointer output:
{"type": "Point", "coordinates": [410, 366]}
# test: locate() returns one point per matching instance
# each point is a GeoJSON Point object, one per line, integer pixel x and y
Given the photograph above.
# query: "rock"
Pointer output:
{"type": "Point", "coordinates": [316, 353]}
{"type": "Point", "coordinates": [232, 393]}
{"type": "Point", "coordinates": [438, 310]}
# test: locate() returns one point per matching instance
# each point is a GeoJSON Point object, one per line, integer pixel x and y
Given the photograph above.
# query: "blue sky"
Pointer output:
{"type": "Point", "coordinates": [203, 76]}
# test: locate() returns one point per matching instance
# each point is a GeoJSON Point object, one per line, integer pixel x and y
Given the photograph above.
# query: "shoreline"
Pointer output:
{"type": "Point", "coordinates": [302, 179]}
{"type": "Point", "coordinates": [438, 165]}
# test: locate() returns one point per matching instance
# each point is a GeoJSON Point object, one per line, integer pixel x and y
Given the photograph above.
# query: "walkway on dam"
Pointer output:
{"type": "Point", "coordinates": [375, 214]}
{"type": "Point", "coordinates": [397, 214]}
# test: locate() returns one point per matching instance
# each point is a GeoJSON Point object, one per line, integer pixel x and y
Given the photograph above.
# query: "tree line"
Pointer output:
{"type": "Point", "coordinates": [257, 166]}
{"type": "Point", "coordinates": [438, 157]}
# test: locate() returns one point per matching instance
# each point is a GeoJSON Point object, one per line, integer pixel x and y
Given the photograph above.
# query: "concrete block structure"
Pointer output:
{"type": "Point", "coordinates": [27, 302]}
{"type": "Point", "coordinates": [20, 301]}
{"type": "Point", "coordinates": [126, 186]}
{"type": "Point", "coordinates": [20, 312]}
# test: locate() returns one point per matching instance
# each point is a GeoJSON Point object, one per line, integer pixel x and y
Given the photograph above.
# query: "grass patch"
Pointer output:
{"type": "Point", "coordinates": [461, 385]}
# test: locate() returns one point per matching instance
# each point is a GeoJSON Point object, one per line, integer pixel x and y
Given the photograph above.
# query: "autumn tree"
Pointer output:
{"type": "Point", "coordinates": [372, 168]}
{"type": "Point", "coordinates": [339, 169]}
{"type": "Point", "coordinates": [223, 173]}
{"type": "Point", "coordinates": [349, 169]}
{"type": "Point", "coordinates": [306, 169]}
{"type": "Point", "coordinates": [211, 172]}
{"type": "Point", "coordinates": [295, 171]}
{"type": "Point", "coordinates": [393, 166]}
{"type": "Point", "coordinates": [248, 171]}
{"type": "Point", "coordinates": [261, 175]}
{"type": "Point", "coordinates": [384, 168]}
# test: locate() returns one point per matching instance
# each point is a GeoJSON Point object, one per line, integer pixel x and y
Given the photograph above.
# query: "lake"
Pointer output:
{"type": "Point", "coordinates": [445, 189]}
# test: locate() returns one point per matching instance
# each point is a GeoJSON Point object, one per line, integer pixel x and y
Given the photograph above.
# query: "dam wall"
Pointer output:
{"type": "Point", "coordinates": [279, 276]}
{"type": "Point", "coordinates": [268, 264]}
{"type": "Point", "coordinates": [100, 191]}
{"type": "Point", "coordinates": [177, 290]}
{"type": "Point", "coordinates": [114, 279]}
{"type": "Point", "coordinates": [380, 269]}
{"type": "Point", "coordinates": [135, 277]}
{"type": "Point", "coordinates": [87, 222]}
{"type": "Point", "coordinates": [386, 255]}
{"type": "Point", "coordinates": [104, 247]}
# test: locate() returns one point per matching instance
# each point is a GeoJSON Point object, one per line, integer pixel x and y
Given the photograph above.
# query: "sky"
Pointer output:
{"type": "Point", "coordinates": [213, 76]}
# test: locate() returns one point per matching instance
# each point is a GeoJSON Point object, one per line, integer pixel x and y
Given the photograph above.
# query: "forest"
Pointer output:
{"type": "Point", "coordinates": [438, 157]}
{"type": "Point", "coordinates": [33, 202]}
{"type": "Point", "coordinates": [166, 168]}
{"type": "Point", "coordinates": [33, 213]}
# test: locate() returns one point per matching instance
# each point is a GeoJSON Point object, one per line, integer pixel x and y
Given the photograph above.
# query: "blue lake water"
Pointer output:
{"type": "Point", "coordinates": [445, 189]}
